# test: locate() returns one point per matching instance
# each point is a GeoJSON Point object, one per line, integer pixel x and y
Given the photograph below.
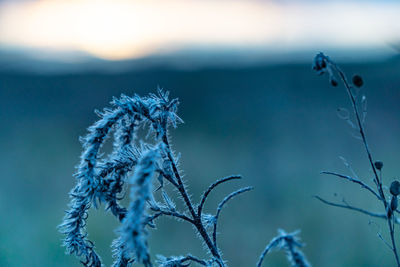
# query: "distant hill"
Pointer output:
{"type": "Point", "coordinates": [48, 61]}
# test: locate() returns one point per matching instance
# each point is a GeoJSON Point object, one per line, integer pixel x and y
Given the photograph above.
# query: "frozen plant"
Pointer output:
{"type": "Point", "coordinates": [290, 243]}
{"type": "Point", "coordinates": [101, 179]}
{"type": "Point", "coordinates": [323, 64]}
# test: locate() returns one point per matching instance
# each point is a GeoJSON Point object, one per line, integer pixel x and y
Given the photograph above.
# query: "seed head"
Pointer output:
{"type": "Point", "coordinates": [378, 165]}
{"type": "Point", "coordinates": [319, 63]}
{"type": "Point", "coordinates": [395, 188]}
{"type": "Point", "coordinates": [357, 81]}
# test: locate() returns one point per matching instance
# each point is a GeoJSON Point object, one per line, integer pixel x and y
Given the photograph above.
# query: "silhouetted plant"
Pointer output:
{"type": "Point", "coordinates": [102, 179]}
{"type": "Point", "coordinates": [323, 64]}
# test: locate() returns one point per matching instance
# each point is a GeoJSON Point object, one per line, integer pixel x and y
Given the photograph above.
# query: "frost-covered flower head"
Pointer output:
{"type": "Point", "coordinates": [322, 64]}
{"type": "Point", "coordinates": [101, 179]}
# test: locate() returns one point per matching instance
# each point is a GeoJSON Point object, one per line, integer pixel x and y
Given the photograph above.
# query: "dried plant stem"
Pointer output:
{"type": "Point", "coordinates": [169, 213]}
{"type": "Point", "coordinates": [354, 180]}
{"type": "Point", "coordinates": [347, 206]}
{"type": "Point", "coordinates": [101, 179]}
{"type": "Point", "coordinates": [191, 258]}
{"type": "Point", "coordinates": [377, 180]}
{"type": "Point", "coordinates": [221, 205]}
{"type": "Point", "coordinates": [208, 191]}
{"type": "Point", "coordinates": [290, 243]}
{"type": "Point", "coordinates": [196, 218]}
{"type": "Point", "coordinates": [361, 130]}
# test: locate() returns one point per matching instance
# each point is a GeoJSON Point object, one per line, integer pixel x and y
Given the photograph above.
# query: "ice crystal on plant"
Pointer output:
{"type": "Point", "coordinates": [100, 180]}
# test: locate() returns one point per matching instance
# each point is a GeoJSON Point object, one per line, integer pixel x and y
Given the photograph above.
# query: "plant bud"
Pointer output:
{"type": "Point", "coordinates": [319, 63]}
{"type": "Point", "coordinates": [389, 212]}
{"type": "Point", "coordinates": [393, 203]}
{"type": "Point", "coordinates": [357, 81]}
{"type": "Point", "coordinates": [378, 165]}
{"type": "Point", "coordinates": [333, 81]}
{"type": "Point", "coordinates": [395, 188]}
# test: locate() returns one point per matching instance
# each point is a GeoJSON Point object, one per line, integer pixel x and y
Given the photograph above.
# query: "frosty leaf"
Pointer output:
{"type": "Point", "coordinates": [343, 113]}
{"type": "Point", "coordinates": [364, 107]}
{"type": "Point", "coordinates": [170, 204]}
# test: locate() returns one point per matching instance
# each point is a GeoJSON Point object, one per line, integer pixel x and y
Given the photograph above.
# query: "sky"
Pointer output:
{"type": "Point", "coordinates": [125, 29]}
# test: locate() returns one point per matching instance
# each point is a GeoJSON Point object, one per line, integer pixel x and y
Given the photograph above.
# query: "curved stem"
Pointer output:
{"type": "Point", "coordinates": [221, 205]}
{"type": "Point", "coordinates": [354, 180]}
{"type": "Point", "coordinates": [361, 130]}
{"type": "Point", "coordinates": [347, 206]}
{"type": "Point", "coordinates": [169, 213]}
{"type": "Point", "coordinates": [208, 191]}
{"type": "Point", "coordinates": [192, 258]}
{"type": "Point", "coordinates": [196, 218]}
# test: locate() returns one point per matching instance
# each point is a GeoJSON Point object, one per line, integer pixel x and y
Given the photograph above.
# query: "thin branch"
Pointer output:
{"type": "Point", "coordinates": [168, 178]}
{"type": "Point", "coordinates": [354, 180]}
{"type": "Point", "coordinates": [361, 129]}
{"type": "Point", "coordinates": [290, 243]}
{"type": "Point", "coordinates": [197, 219]}
{"type": "Point", "coordinates": [347, 206]}
{"type": "Point", "coordinates": [180, 261]}
{"type": "Point", "coordinates": [274, 242]}
{"type": "Point", "coordinates": [211, 187]}
{"type": "Point", "coordinates": [180, 186]}
{"type": "Point", "coordinates": [347, 164]}
{"type": "Point", "coordinates": [377, 180]}
{"type": "Point", "coordinates": [391, 231]}
{"type": "Point", "coordinates": [170, 213]}
{"type": "Point", "coordinates": [195, 259]}
{"type": "Point", "coordinates": [221, 205]}
{"type": "Point", "coordinates": [384, 241]}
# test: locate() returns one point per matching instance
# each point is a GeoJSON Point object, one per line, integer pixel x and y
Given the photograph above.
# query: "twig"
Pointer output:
{"type": "Point", "coordinates": [221, 205]}
{"type": "Point", "coordinates": [360, 126]}
{"type": "Point", "coordinates": [384, 241]}
{"type": "Point", "coordinates": [195, 217]}
{"type": "Point", "coordinates": [211, 187]}
{"type": "Point", "coordinates": [290, 243]}
{"type": "Point", "coordinates": [192, 258]}
{"type": "Point", "coordinates": [364, 139]}
{"type": "Point", "coordinates": [170, 213]}
{"type": "Point", "coordinates": [323, 64]}
{"type": "Point", "coordinates": [354, 180]}
{"type": "Point", "coordinates": [347, 206]}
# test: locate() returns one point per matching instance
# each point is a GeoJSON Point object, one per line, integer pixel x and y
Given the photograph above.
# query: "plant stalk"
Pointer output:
{"type": "Point", "coordinates": [196, 217]}
{"type": "Point", "coordinates": [378, 181]}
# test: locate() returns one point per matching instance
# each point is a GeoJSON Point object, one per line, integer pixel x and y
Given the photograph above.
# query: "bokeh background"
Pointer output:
{"type": "Point", "coordinates": [251, 106]}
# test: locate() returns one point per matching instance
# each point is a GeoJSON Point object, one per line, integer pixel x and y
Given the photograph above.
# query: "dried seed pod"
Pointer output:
{"type": "Point", "coordinates": [393, 203]}
{"type": "Point", "coordinates": [395, 188]}
{"type": "Point", "coordinates": [357, 81]}
{"type": "Point", "coordinates": [389, 212]}
{"type": "Point", "coordinates": [333, 81]}
{"type": "Point", "coordinates": [378, 165]}
{"type": "Point", "coordinates": [320, 63]}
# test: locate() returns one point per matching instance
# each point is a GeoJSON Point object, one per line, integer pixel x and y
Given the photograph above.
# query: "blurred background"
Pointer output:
{"type": "Point", "coordinates": [251, 106]}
